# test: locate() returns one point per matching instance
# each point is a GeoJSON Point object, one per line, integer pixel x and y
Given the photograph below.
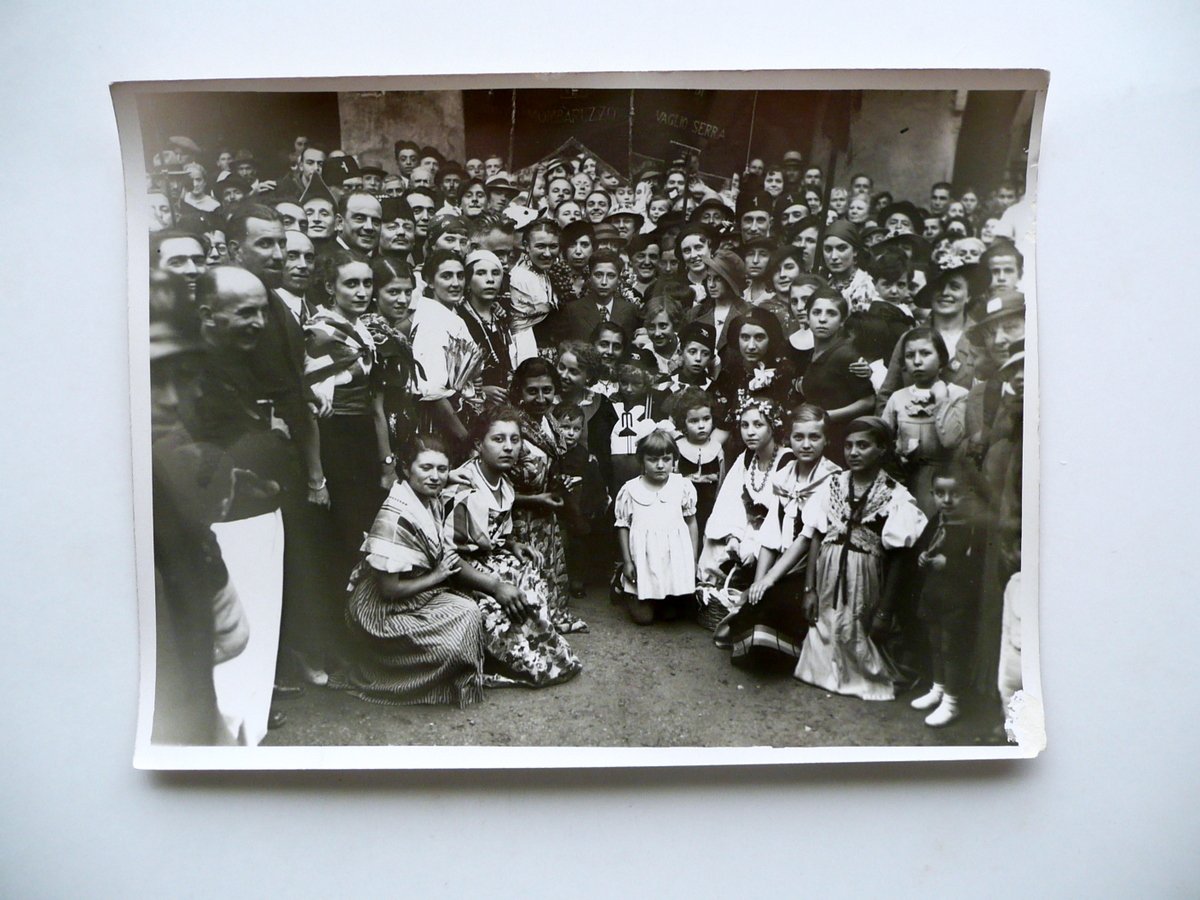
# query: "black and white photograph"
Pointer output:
{"type": "Point", "coordinates": [572, 420]}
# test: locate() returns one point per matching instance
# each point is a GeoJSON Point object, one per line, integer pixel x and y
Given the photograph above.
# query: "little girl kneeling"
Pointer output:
{"type": "Point", "coordinates": [656, 529]}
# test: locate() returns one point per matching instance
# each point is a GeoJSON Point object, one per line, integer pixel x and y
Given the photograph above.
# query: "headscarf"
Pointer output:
{"type": "Point", "coordinates": [875, 426]}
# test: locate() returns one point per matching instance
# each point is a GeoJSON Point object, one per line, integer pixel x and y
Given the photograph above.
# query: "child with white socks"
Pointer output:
{"type": "Point", "coordinates": [951, 558]}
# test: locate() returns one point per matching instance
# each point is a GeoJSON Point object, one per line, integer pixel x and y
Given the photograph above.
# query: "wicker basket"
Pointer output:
{"type": "Point", "coordinates": [717, 603]}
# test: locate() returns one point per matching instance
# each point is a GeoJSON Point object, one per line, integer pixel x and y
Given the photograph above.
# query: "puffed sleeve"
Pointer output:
{"type": "Point", "coordinates": [429, 351]}
{"type": "Point", "coordinates": [904, 522]}
{"type": "Point", "coordinates": [623, 508]}
{"type": "Point", "coordinates": [467, 525]}
{"type": "Point", "coordinates": [815, 517]}
{"type": "Point", "coordinates": [688, 490]}
{"type": "Point", "coordinates": [770, 535]}
{"type": "Point", "coordinates": [951, 419]}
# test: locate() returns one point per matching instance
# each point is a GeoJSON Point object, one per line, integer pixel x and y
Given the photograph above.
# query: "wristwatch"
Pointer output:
{"type": "Point", "coordinates": [389, 460]}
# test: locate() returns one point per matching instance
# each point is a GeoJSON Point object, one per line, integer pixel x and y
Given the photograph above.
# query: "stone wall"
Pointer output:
{"type": "Point", "coordinates": [905, 140]}
{"type": "Point", "coordinates": [372, 121]}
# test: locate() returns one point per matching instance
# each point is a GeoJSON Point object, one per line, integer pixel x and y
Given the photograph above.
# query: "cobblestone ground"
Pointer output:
{"type": "Point", "coordinates": [664, 685]}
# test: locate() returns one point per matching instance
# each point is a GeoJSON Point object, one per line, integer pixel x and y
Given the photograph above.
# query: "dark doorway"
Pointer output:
{"type": "Point", "coordinates": [983, 159]}
{"type": "Point", "coordinates": [264, 123]}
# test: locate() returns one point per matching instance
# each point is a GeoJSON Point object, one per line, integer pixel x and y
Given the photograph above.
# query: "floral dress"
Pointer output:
{"type": "Point", "coordinates": [427, 648]}
{"type": "Point", "coordinates": [396, 378]}
{"type": "Point", "coordinates": [538, 471]}
{"type": "Point", "coordinates": [527, 652]}
{"type": "Point", "coordinates": [839, 654]}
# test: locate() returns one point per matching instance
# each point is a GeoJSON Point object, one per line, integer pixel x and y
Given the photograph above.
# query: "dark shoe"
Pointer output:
{"type": "Point", "coordinates": [277, 719]}
{"type": "Point", "coordinates": [287, 692]}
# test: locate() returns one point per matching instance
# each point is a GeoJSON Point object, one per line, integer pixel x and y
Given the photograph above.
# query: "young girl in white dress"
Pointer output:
{"type": "Point", "coordinates": [656, 529]}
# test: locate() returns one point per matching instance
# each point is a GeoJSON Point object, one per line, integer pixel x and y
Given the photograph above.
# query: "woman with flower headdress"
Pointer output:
{"type": "Point", "coordinates": [746, 498]}
{"type": "Point", "coordinates": [769, 626]}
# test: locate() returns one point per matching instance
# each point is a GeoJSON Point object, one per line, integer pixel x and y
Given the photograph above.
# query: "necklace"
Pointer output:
{"type": "Point", "coordinates": [757, 487]}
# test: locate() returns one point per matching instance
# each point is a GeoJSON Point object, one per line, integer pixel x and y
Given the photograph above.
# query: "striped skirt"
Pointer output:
{"type": "Point", "coordinates": [426, 649]}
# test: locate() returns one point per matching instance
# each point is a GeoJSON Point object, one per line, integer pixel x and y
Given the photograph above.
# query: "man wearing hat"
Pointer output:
{"type": "Point", "coordinates": [244, 166]}
{"type": "Point", "coordinates": [626, 220]}
{"type": "Point", "coordinates": [500, 190]}
{"type": "Point", "coordinates": [754, 215]}
{"type": "Point", "coordinates": [372, 177]}
{"type": "Point", "coordinates": [341, 174]}
{"type": "Point", "coordinates": [450, 180]}
{"type": "Point", "coordinates": [608, 238]}
{"type": "Point", "coordinates": [793, 169]}
{"type": "Point", "coordinates": [712, 212]}
{"type": "Point", "coordinates": [186, 150]}
{"type": "Point", "coordinates": [901, 217]}
{"type": "Point", "coordinates": [432, 159]}
{"type": "Point", "coordinates": [397, 231]}
{"type": "Point", "coordinates": [232, 190]}
{"type": "Point", "coordinates": [724, 284]}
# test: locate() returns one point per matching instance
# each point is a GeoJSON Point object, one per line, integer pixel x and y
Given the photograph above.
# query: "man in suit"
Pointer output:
{"type": "Point", "coordinates": [601, 301]}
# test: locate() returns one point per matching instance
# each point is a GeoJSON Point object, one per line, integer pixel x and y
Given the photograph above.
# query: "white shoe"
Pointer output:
{"type": "Point", "coordinates": [930, 700]}
{"type": "Point", "coordinates": [946, 713]}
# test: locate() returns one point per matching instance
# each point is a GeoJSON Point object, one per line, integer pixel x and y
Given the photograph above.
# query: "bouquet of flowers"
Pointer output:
{"type": "Point", "coordinates": [464, 360]}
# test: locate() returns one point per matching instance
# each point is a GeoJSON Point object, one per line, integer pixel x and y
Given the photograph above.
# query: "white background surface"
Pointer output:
{"type": "Point", "coordinates": [1109, 810]}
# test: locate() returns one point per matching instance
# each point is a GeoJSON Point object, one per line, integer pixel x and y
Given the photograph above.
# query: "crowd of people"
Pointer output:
{"type": "Point", "coordinates": [404, 417]}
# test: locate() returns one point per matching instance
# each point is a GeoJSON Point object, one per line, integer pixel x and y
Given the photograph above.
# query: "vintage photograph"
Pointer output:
{"type": "Point", "coordinates": [660, 412]}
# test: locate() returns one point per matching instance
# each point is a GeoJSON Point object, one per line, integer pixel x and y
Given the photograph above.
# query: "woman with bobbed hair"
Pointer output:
{"type": "Point", "coordinates": [829, 381]}
{"type": "Point", "coordinates": [441, 347]}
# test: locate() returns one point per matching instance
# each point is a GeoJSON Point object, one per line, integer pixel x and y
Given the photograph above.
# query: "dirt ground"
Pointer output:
{"type": "Point", "coordinates": [664, 685]}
